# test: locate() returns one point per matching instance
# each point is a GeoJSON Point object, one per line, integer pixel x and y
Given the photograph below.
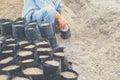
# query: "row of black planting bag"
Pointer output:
{"type": "Point", "coordinates": [23, 59]}
{"type": "Point", "coordinates": [20, 29]}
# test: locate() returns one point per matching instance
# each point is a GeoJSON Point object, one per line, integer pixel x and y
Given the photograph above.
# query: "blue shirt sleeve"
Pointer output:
{"type": "Point", "coordinates": [28, 9]}
{"type": "Point", "coordinates": [58, 5]}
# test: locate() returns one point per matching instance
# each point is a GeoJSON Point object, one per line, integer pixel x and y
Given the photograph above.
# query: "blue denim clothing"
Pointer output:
{"type": "Point", "coordinates": [41, 10]}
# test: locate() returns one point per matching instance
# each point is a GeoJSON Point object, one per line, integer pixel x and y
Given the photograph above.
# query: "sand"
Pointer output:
{"type": "Point", "coordinates": [69, 75]}
{"type": "Point", "coordinates": [24, 53]}
{"type": "Point", "coordinates": [20, 78]}
{"type": "Point", "coordinates": [33, 71]}
{"type": "Point", "coordinates": [6, 60]}
{"type": "Point", "coordinates": [11, 67]}
{"type": "Point", "coordinates": [3, 77]}
{"type": "Point", "coordinates": [94, 47]}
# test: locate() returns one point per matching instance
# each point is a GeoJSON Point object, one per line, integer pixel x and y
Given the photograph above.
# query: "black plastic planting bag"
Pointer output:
{"type": "Point", "coordinates": [18, 32]}
{"type": "Point", "coordinates": [5, 59]}
{"type": "Point", "coordinates": [20, 76]}
{"type": "Point", "coordinates": [12, 68]}
{"type": "Point", "coordinates": [30, 47]}
{"type": "Point", "coordinates": [1, 45]}
{"type": "Point", "coordinates": [51, 72]}
{"type": "Point", "coordinates": [44, 51]}
{"type": "Point", "coordinates": [10, 40]}
{"type": "Point", "coordinates": [4, 75]}
{"type": "Point", "coordinates": [69, 75]}
{"type": "Point", "coordinates": [32, 32]}
{"type": "Point", "coordinates": [43, 44]}
{"type": "Point", "coordinates": [22, 44]}
{"type": "Point", "coordinates": [20, 21]}
{"type": "Point", "coordinates": [60, 49]}
{"type": "Point", "coordinates": [9, 47]}
{"type": "Point", "coordinates": [8, 51]}
{"type": "Point", "coordinates": [35, 74]}
{"type": "Point", "coordinates": [2, 42]}
{"type": "Point", "coordinates": [42, 58]}
{"type": "Point", "coordinates": [24, 60]}
{"type": "Point", "coordinates": [6, 28]}
{"type": "Point", "coordinates": [64, 62]}
{"type": "Point", "coordinates": [1, 21]}
{"type": "Point", "coordinates": [46, 30]}
{"type": "Point", "coordinates": [66, 34]}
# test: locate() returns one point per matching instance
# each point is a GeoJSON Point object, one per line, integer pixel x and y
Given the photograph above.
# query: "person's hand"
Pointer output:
{"type": "Point", "coordinates": [61, 22]}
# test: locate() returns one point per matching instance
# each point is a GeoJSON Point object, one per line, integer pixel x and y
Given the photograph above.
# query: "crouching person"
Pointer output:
{"type": "Point", "coordinates": [47, 11]}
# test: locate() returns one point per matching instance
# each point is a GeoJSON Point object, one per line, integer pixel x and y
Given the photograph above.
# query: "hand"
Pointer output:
{"type": "Point", "coordinates": [61, 22]}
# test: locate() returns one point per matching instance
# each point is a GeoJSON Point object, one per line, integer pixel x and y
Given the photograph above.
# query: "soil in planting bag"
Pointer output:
{"type": "Point", "coordinates": [10, 47]}
{"type": "Point", "coordinates": [25, 53]}
{"type": "Point", "coordinates": [25, 60]}
{"type": "Point", "coordinates": [32, 32]}
{"type": "Point", "coordinates": [10, 41]}
{"type": "Point", "coordinates": [43, 44]}
{"type": "Point", "coordinates": [51, 70]}
{"type": "Point", "coordinates": [5, 59]}
{"type": "Point", "coordinates": [42, 58]}
{"type": "Point", "coordinates": [44, 51]}
{"type": "Point", "coordinates": [20, 76]}
{"type": "Point", "coordinates": [2, 56]}
{"type": "Point", "coordinates": [9, 51]}
{"type": "Point", "coordinates": [34, 70]}
{"type": "Point", "coordinates": [23, 43]}
{"type": "Point", "coordinates": [4, 75]}
{"type": "Point", "coordinates": [19, 32]}
{"type": "Point", "coordinates": [30, 47]}
{"type": "Point", "coordinates": [6, 28]}
{"type": "Point", "coordinates": [69, 75]}
{"type": "Point", "coordinates": [64, 63]}
{"type": "Point", "coordinates": [12, 68]}
{"type": "Point", "coordinates": [20, 21]}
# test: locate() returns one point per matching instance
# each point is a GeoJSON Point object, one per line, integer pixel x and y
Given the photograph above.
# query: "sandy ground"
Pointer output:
{"type": "Point", "coordinates": [94, 47]}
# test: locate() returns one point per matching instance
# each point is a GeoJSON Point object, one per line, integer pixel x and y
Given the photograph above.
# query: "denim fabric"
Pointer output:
{"type": "Point", "coordinates": [41, 10]}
